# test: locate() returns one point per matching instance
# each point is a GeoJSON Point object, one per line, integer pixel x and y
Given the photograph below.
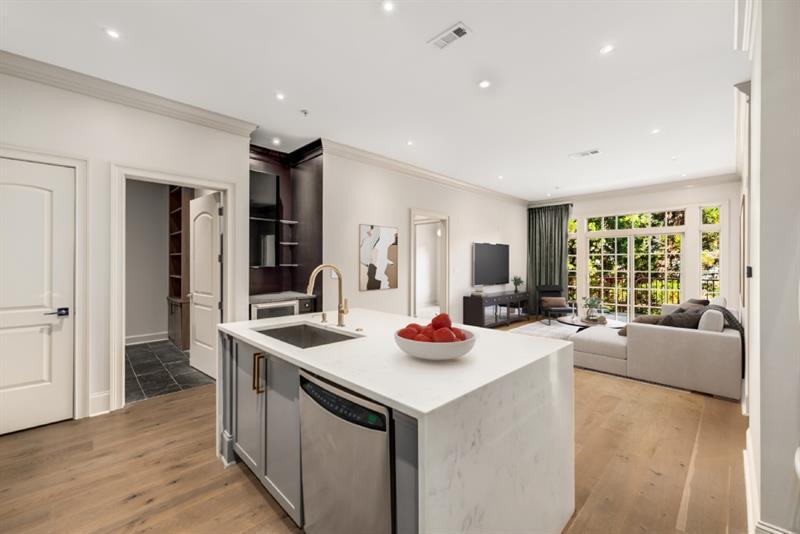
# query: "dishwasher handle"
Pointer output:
{"type": "Point", "coordinates": [343, 408]}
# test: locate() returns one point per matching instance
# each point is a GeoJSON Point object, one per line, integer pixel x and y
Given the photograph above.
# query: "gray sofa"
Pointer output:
{"type": "Point", "coordinates": [708, 360]}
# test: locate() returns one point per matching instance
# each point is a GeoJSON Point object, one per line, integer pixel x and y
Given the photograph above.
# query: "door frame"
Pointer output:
{"type": "Point", "coordinates": [80, 349]}
{"type": "Point", "coordinates": [429, 216]}
{"type": "Point", "coordinates": [119, 177]}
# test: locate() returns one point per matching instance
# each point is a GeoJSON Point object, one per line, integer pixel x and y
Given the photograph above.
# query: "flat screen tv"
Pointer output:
{"type": "Point", "coordinates": [489, 264]}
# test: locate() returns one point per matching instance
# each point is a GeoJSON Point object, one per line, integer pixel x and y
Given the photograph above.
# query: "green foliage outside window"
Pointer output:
{"type": "Point", "coordinates": [572, 268]}
{"type": "Point", "coordinates": [656, 219]}
{"type": "Point", "coordinates": [710, 215]}
{"type": "Point", "coordinates": [709, 260]}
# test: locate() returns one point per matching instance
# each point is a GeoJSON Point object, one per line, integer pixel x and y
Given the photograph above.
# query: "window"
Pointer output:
{"type": "Point", "coordinates": [655, 219]}
{"type": "Point", "coordinates": [657, 272]}
{"type": "Point", "coordinates": [636, 266]}
{"type": "Point", "coordinates": [608, 274]}
{"type": "Point", "coordinates": [709, 252]}
{"type": "Point", "coordinates": [572, 260]}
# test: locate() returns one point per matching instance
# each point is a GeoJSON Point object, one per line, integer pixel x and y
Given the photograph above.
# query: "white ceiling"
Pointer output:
{"type": "Point", "coordinates": [370, 80]}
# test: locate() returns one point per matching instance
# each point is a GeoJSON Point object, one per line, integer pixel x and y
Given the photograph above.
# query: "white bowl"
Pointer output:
{"type": "Point", "coordinates": [436, 351]}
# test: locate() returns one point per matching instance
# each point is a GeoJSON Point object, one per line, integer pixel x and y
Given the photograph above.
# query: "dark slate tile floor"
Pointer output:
{"type": "Point", "coordinates": [153, 369]}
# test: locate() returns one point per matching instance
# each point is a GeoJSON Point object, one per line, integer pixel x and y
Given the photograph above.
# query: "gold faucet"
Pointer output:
{"type": "Point", "coordinates": [342, 309]}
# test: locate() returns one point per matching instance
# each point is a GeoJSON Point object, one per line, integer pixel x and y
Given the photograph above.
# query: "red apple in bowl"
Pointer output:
{"type": "Point", "coordinates": [431, 343]}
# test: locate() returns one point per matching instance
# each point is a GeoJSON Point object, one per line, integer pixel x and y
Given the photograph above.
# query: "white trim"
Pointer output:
{"type": "Point", "coordinates": [430, 217]}
{"type": "Point", "coordinates": [81, 382]}
{"type": "Point", "coordinates": [119, 175]}
{"type": "Point", "coordinates": [655, 188]}
{"type": "Point", "coordinates": [37, 71]}
{"type": "Point", "coordinates": [99, 403]}
{"type": "Point", "coordinates": [145, 338]}
{"type": "Point", "coordinates": [363, 156]}
{"type": "Point", "coordinates": [750, 484]}
{"type": "Point", "coordinates": [762, 527]}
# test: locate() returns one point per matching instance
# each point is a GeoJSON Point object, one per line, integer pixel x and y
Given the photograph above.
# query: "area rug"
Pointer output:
{"type": "Point", "coordinates": [542, 329]}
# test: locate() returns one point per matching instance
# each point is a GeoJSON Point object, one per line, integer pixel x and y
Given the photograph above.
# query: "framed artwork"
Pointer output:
{"type": "Point", "coordinates": [377, 257]}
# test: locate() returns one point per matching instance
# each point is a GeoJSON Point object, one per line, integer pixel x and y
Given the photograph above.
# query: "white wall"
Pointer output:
{"type": "Point", "coordinates": [725, 194]}
{"type": "Point", "coordinates": [361, 190]}
{"type": "Point", "coordinates": [146, 261]}
{"type": "Point", "coordinates": [775, 255]}
{"type": "Point", "coordinates": [42, 118]}
{"type": "Point", "coordinates": [427, 257]}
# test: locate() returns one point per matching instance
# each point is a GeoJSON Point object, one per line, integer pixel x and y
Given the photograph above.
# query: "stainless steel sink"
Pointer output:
{"type": "Point", "coordinates": [305, 335]}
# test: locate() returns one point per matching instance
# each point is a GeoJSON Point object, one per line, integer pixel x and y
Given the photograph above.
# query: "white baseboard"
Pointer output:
{"type": "Point", "coordinates": [763, 527]}
{"type": "Point", "coordinates": [145, 338]}
{"type": "Point", "coordinates": [99, 403]}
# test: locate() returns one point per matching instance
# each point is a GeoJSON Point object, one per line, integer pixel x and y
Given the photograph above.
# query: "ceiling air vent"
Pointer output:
{"type": "Point", "coordinates": [584, 154]}
{"type": "Point", "coordinates": [450, 35]}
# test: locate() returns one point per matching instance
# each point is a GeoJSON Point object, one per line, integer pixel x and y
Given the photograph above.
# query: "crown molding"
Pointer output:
{"type": "Point", "coordinates": [364, 156]}
{"type": "Point", "coordinates": [45, 73]}
{"type": "Point", "coordinates": [654, 188]}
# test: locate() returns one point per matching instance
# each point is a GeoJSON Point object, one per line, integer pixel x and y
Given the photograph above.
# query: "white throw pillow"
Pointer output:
{"type": "Point", "coordinates": [712, 321]}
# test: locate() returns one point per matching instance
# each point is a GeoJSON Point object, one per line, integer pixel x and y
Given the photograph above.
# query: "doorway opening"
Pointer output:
{"type": "Point", "coordinates": [430, 254]}
{"type": "Point", "coordinates": [173, 265]}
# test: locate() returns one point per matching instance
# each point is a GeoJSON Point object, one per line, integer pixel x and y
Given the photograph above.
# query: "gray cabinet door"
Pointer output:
{"type": "Point", "coordinates": [249, 409]}
{"type": "Point", "coordinates": [283, 477]}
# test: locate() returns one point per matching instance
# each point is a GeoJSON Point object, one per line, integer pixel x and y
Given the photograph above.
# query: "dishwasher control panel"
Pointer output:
{"type": "Point", "coordinates": [344, 408]}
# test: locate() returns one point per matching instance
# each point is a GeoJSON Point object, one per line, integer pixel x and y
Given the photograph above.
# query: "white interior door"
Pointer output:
{"type": "Point", "coordinates": [37, 249]}
{"type": "Point", "coordinates": [204, 282]}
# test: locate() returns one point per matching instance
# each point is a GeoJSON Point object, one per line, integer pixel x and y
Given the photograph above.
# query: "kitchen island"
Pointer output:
{"type": "Point", "coordinates": [484, 443]}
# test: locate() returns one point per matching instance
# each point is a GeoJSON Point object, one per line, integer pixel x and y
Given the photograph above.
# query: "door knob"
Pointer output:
{"type": "Point", "coordinates": [60, 312]}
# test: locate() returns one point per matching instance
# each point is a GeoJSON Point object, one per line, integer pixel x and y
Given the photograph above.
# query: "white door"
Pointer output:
{"type": "Point", "coordinates": [37, 246]}
{"type": "Point", "coordinates": [204, 282]}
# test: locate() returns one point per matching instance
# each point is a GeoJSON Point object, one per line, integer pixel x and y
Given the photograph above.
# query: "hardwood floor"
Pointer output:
{"type": "Point", "coordinates": [648, 459]}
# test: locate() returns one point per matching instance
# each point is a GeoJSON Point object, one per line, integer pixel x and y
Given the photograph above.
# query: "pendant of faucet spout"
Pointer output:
{"type": "Point", "coordinates": [342, 308]}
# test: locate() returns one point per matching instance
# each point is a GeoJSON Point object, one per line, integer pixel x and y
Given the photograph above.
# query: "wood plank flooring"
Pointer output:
{"type": "Point", "coordinates": [648, 459]}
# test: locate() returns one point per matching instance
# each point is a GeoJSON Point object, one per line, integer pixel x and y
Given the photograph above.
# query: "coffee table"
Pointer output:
{"type": "Point", "coordinates": [582, 325]}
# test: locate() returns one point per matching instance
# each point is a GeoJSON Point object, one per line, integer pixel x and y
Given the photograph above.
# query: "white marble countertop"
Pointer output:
{"type": "Point", "coordinates": [375, 367]}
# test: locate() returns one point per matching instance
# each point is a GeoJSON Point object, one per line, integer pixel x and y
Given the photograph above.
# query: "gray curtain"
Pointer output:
{"type": "Point", "coordinates": [547, 249]}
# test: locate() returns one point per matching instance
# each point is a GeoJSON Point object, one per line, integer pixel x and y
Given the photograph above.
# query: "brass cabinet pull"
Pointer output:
{"type": "Point", "coordinates": [261, 357]}
{"type": "Point", "coordinates": [254, 384]}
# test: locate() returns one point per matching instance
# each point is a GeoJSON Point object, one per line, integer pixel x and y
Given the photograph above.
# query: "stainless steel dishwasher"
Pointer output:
{"type": "Point", "coordinates": [346, 461]}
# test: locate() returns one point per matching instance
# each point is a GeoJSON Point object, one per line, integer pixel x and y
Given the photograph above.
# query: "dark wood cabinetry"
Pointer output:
{"type": "Point", "coordinates": [177, 301]}
{"type": "Point", "coordinates": [286, 239]}
{"type": "Point", "coordinates": [495, 309]}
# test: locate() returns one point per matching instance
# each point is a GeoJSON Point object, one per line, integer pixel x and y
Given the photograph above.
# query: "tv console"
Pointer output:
{"type": "Point", "coordinates": [489, 310]}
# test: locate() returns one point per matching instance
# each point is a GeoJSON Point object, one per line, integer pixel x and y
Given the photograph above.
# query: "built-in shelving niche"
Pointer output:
{"type": "Point", "coordinates": [285, 218]}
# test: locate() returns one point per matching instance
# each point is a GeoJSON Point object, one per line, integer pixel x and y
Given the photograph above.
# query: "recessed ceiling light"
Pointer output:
{"type": "Point", "coordinates": [388, 6]}
{"type": "Point", "coordinates": [549, 195]}
{"type": "Point", "coordinates": [280, 96]}
{"type": "Point", "coordinates": [674, 158]}
{"type": "Point", "coordinates": [484, 84]}
{"type": "Point", "coordinates": [500, 177]}
{"type": "Point", "coordinates": [683, 175]}
{"type": "Point", "coordinates": [276, 141]}
{"type": "Point", "coordinates": [607, 49]}
{"type": "Point", "coordinates": [655, 131]}
{"type": "Point", "coordinates": [410, 142]}
{"type": "Point", "coordinates": [111, 32]}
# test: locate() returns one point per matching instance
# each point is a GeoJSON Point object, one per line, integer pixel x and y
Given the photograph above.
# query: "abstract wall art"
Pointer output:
{"type": "Point", "coordinates": [377, 257]}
